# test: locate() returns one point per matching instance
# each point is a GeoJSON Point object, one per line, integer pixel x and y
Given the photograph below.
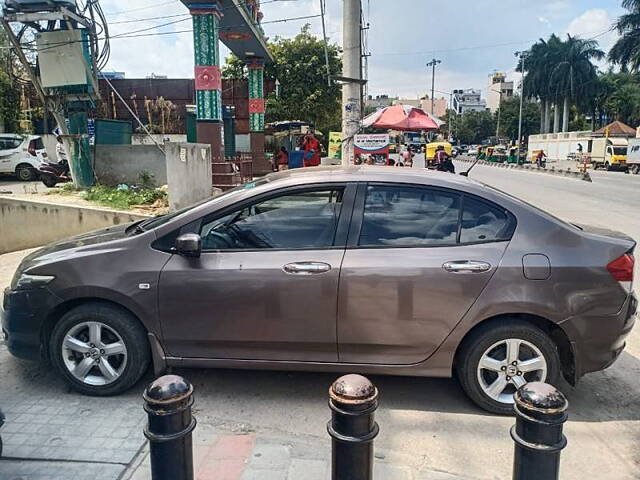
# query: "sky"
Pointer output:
{"type": "Point", "coordinates": [472, 38]}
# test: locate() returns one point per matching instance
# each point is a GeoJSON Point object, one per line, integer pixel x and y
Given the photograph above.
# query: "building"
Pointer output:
{"type": "Point", "coordinates": [440, 106]}
{"type": "Point", "coordinates": [379, 101]}
{"type": "Point", "coordinates": [469, 100]}
{"type": "Point", "coordinates": [163, 104]}
{"type": "Point", "coordinates": [497, 87]}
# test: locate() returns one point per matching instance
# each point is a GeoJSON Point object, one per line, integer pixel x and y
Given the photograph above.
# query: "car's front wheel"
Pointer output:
{"type": "Point", "coordinates": [495, 361]}
{"type": "Point", "coordinates": [99, 349]}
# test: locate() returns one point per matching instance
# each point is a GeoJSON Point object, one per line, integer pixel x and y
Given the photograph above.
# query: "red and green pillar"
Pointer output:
{"type": "Point", "coordinates": [208, 78]}
{"type": "Point", "coordinates": [255, 67]}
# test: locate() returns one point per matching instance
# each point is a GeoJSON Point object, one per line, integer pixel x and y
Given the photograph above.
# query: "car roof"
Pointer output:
{"type": "Point", "coordinates": [372, 173]}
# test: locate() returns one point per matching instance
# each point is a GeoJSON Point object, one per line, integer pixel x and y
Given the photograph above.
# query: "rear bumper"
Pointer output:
{"type": "Point", "coordinates": [598, 341]}
{"type": "Point", "coordinates": [23, 315]}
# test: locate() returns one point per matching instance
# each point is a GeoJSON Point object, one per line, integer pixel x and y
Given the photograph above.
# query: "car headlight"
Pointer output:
{"type": "Point", "coordinates": [25, 281]}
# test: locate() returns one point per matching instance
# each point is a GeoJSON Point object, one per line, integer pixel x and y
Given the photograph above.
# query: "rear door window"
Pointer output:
{"type": "Point", "coordinates": [404, 216]}
{"type": "Point", "coordinates": [483, 222]}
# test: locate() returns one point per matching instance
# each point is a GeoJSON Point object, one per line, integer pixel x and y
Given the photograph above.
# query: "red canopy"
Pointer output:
{"type": "Point", "coordinates": [401, 117]}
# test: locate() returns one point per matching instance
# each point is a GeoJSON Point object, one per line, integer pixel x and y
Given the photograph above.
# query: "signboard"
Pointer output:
{"type": "Point", "coordinates": [371, 149]}
{"type": "Point", "coordinates": [335, 144]}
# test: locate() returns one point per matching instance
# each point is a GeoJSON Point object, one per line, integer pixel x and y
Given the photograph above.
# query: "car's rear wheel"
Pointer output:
{"type": "Point", "coordinates": [99, 349]}
{"type": "Point", "coordinates": [495, 361]}
{"type": "Point", "coordinates": [26, 173]}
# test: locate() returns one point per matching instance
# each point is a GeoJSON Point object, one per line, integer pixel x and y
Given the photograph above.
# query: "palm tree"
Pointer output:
{"type": "Point", "coordinates": [573, 74]}
{"type": "Point", "coordinates": [537, 76]}
{"type": "Point", "coordinates": [626, 51]}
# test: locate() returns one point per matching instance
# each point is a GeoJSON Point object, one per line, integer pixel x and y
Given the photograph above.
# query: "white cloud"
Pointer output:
{"type": "Point", "coordinates": [595, 23]}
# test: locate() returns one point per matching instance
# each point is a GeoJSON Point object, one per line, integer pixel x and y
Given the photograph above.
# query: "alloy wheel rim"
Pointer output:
{"type": "Point", "coordinates": [94, 353]}
{"type": "Point", "coordinates": [507, 365]}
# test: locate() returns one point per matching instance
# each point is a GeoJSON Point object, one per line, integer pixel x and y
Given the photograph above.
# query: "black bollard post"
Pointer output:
{"type": "Point", "coordinates": [353, 400]}
{"type": "Point", "coordinates": [168, 402]}
{"type": "Point", "coordinates": [541, 410]}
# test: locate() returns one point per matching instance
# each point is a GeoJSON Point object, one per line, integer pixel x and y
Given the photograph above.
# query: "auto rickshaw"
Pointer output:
{"type": "Point", "coordinates": [517, 156]}
{"type": "Point", "coordinates": [430, 151]}
{"type": "Point", "coordinates": [497, 154]}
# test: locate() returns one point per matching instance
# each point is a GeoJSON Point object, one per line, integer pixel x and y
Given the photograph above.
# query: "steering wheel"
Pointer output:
{"type": "Point", "coordinates": [220, 240]}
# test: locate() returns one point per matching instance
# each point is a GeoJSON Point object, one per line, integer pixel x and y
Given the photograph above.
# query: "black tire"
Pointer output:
{"type": "Point", "coordinates": [49, 181]}
{"type": "Point", "coordinates": [26, 173]}
{"type": "Point", "coordinates": [126, 325]}
{"type": "Point", "coordinates": [479, 341]}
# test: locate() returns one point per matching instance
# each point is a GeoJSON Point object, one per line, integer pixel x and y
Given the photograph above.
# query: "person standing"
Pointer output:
{"type": "Point", "coordinates": [311, 147]}
{"type": "Point", "coordinates": [282, 159]}
{"type": "Point", "coordinates": [61, 152]}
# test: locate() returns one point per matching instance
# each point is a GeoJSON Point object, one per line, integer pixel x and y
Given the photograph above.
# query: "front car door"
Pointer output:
{"type": "Point", "coordinates": [417, 259]}
{"type": "Point", "coordinates": [265, 286]}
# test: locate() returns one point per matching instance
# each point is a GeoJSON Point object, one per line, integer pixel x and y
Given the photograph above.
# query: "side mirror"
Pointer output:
{"type": "Point", "coordinates": [189, 245]}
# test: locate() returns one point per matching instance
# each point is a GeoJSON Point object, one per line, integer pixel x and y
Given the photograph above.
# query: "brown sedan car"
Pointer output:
{"type": "Point", "coordinates": [362, 269]}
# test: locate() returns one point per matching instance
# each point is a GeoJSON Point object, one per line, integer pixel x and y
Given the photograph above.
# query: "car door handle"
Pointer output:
{"type": "Point", "coordinates": [466, 266]}
{"type": "Point", "coordinates": [306, 268]}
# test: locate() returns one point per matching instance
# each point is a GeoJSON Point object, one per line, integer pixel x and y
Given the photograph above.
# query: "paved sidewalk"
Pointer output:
{"type": "Point", "coordinates": [251, 456]}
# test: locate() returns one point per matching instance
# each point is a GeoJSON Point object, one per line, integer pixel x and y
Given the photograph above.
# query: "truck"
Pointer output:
{"type": "Point", "coordinates": [633, 155]}
{"type": "Point", "coordinates": [600, 151]}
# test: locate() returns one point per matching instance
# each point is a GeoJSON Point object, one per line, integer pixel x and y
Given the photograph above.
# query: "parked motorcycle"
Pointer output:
{"type": "Point", "coordinates": [53, 173]}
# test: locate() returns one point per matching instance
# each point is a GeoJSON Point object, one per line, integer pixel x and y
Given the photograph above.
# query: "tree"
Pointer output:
{"type": "Point", "coordinates": [474, 127]}
{"type": "Point", "coordinates": [573, 73]}
{"type": "Point", "coordinates": [626, 51]}
{"type": "Point", "coordinates": [538, 65]}
{"type": "Point", "coordinates": [9, 91]}
{"type": "Point", "coordinates": [510, 115]}
{"type": "Point", "coordinates": [619, 98]}
{"type": "Point", "coordinates": [304, 92]}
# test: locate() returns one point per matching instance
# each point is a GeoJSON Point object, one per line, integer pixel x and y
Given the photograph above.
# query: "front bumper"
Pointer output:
{"type": "Point", "coordinates": [598, 341]}
{"type": "Point", "coordinates": [24, 313]}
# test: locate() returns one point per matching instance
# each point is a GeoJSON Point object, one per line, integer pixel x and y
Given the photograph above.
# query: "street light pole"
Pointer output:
{"type": "Point", "coordinates": [522, 56]}
{"type": "Point", "coordinates": [433, 64]}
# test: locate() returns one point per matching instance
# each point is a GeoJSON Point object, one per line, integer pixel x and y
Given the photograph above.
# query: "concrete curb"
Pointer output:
{"type": "Point", "coordinates": [532, 168]}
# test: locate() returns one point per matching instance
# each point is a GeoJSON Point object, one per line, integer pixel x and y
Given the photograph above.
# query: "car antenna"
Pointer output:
{"type": "Point", "coordinates": [466, 174]}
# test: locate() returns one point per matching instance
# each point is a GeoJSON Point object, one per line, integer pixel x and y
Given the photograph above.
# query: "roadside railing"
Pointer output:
{"type": "Point", "coordinates": [540, 411]}
{"type": "Point", "coordinates": [229, 172]}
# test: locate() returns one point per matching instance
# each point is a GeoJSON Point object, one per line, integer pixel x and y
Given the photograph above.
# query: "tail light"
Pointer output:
{"type": "Point", "coordinates": [32, 148]}
{"type": "Point", "coordinates": [622, 270]}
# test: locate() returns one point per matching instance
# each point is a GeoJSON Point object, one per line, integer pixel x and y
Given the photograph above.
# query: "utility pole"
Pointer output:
{"type": "Point", "coordinates": [522, 56]}
{"type": "Point", "coordinates": [499, 111]}
{"type": "Point", "coordinates": [351, 76]}
{"type": "Point", "coordinates": [450, 109]}
{"type": "Point", "coordinates": [433, 64]}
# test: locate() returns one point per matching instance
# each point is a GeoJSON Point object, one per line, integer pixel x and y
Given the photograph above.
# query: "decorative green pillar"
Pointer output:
{"type": "Point", "coordinates": [80, 161]}
{"type": "Point", "coordinates": [208, 80]}
{"type": "Point", "coordinates": [256, 95]}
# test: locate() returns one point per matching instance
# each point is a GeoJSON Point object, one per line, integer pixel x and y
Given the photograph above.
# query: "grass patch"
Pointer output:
{"type": "Point", "coordinates": [64, 189]}
{"type": "Point", "coordinates": [124, 199]}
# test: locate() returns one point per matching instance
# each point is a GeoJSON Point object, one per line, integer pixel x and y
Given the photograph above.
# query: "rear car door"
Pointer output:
{"type": "Point", "coordinates": [9, 153]}
{"type": "Point", "coordinates": [417, 259]}
{"type": "Point", "coordinates": [265, 286]}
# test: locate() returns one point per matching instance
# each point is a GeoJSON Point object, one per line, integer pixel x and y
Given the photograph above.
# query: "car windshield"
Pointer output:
{"type": "Point", "coordinates": [619, 150]}
{"type": "Point", "coordinates": [9, 143]}
{"type": "Point", "coordinates": [163, 219]}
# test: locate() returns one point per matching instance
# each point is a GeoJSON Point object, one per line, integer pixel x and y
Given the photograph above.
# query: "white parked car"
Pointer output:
{"type": "Point", "coordinates": [21, 155]}
{"type": "Point", "coordinates": [472, 152]}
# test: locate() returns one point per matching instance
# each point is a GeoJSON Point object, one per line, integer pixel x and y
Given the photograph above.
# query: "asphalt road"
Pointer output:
{"type": "Point", "coordinates": [429, 423]}
{"type": "Point", "coordinates": [9, 184]}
